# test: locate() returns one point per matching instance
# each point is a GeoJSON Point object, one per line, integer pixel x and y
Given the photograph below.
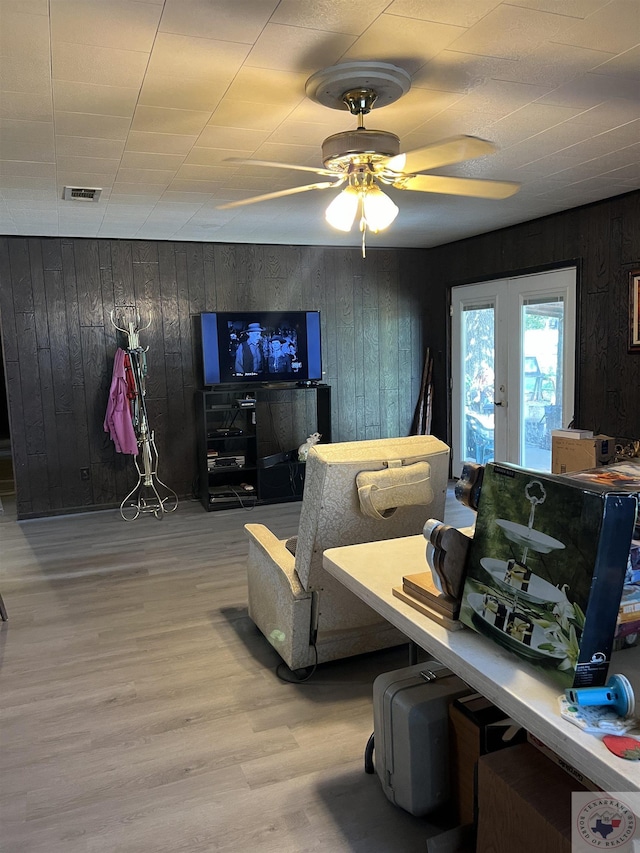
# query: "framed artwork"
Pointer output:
{"type": "Point", "coordinates": [634, 311]}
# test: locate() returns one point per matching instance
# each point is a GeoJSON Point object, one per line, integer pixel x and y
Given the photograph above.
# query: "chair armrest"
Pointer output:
{"type": "Point", "coordinates": [265, 548]}
{"type": "Point", "coordinates": [277, 602]}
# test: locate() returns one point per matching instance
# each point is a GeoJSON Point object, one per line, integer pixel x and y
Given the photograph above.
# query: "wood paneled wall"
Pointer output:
{"type": "Point", "coordinates": [378, 315]}
{"type": "Point", "coordinates": [603, 239]}
{"type": "Point", "coordinates": [55, 300]}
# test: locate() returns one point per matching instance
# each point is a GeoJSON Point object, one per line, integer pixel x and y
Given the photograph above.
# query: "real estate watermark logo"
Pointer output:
{"type": "Point", "coordinates": [605, 822]}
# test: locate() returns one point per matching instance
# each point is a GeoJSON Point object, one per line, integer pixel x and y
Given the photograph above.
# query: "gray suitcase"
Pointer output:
{"type": "Point", "coordinates": [411, 734]}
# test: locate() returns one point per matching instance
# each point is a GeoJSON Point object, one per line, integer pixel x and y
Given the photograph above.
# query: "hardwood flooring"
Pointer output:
{"type": "Point", "coordinates": [140, 711]}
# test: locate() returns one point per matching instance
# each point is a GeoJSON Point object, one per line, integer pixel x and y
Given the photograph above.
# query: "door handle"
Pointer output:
{"type": "Point", "coordinates": [498, 403]}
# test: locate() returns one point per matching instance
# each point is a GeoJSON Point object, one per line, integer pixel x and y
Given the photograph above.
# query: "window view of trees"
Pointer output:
{"type": "Point", "coordinates": [479, 360]}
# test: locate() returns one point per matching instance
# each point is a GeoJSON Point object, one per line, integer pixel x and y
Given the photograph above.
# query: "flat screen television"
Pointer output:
{"type": "Point", "coordinates": [260, 346]}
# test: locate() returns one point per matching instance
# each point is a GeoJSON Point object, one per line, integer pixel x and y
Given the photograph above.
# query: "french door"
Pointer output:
{"type": "Point", "coordinates": [512, 367]}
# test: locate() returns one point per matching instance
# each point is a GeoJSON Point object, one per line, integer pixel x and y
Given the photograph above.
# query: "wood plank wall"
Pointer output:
{"type": "Point", "coordinates": [377, 317]}
{"type": "Point", "coordinates": [58, 342]}
{"type": "Point", "coordinates": [604, 240]}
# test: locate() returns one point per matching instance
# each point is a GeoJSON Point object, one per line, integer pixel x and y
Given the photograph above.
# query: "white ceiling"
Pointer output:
{"type": "Point", "coordinates": [147, 98]}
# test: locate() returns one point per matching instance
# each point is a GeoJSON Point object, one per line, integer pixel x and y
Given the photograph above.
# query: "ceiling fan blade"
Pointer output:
{"type": "Point", "coordinates": [323, 185]}
{"type": "Point", "coordinates": [273, 165]}
{"type": "Point", "coordinates": [457, 186]}
{"type": "Point", "coordinates": [442, 153]}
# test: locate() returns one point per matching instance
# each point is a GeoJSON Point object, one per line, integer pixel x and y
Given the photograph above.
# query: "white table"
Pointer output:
{"type": "Point", "coordinates": [372, 570]}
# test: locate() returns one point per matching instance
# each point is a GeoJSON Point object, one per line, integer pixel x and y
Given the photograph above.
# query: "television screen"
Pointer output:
{"type": "Point", "coordinates": [261, 346]}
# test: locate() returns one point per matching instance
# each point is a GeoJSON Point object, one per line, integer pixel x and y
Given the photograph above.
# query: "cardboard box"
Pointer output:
{"type": "Point", "coordinates": [572, 433]}
{"type": "Point", "coordinates": [579, 777]}
{"type": "Point", "coordinates": [476, 727]}
{"type": "Point", "coordinates": [546, 568]}
{"type": "Point", "coordinates": [524, 803]}
{"type": "Point", "coordinates": [578, 454]}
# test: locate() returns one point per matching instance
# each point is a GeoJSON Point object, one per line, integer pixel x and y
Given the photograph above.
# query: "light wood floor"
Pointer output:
{"type": "Point", "coordinates": [140, 711]}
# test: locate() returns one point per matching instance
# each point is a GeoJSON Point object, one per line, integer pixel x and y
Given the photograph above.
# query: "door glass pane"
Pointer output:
{"type": "Point", "coordinates": [478, 367]}
{"type": "Point", "coordinates": [541, 379]}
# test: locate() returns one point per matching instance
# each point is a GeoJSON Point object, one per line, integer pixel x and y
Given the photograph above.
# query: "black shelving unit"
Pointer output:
{"type": "Point", "coordinates": [248, 439]}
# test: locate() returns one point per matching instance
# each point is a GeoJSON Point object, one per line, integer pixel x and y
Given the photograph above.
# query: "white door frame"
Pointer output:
{"type": "Point", "coordinates": [508, 296]}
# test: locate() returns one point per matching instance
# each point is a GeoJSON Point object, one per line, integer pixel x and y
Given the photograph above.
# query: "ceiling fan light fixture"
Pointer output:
{"type": "Point", "coordinates": [342, 211]}
{"type": "Point", "coordinates": [363, 195]}
{"type": "Point", "coordinates": [378, 209]}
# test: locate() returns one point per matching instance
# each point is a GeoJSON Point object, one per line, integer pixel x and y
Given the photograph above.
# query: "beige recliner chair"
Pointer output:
{"type": "Point", "coordinates": [358, 491]}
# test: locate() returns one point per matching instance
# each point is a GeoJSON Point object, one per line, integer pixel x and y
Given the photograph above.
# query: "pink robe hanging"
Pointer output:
{"type": "Point", "coordinates": [117, 421]}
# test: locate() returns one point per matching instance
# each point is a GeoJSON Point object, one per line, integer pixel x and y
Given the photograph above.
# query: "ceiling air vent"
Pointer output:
{"type": "Point", "coordinates": [82, 193]}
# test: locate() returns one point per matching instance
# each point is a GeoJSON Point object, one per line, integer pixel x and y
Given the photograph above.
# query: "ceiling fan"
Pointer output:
{"type": "Point", "coordinates": [361, 160]}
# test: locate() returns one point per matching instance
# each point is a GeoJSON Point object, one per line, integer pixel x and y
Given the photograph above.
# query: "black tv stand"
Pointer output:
{"type": "Point", "coordinates": [247, 454]}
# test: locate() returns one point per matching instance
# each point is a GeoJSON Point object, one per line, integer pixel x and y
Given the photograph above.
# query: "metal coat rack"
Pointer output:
{"type": "Point", "coordinates": [150, 494]}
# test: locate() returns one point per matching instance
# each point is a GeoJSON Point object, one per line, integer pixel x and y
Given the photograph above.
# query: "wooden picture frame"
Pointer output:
{"type": "Point", "coordinates": [634, 311]}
